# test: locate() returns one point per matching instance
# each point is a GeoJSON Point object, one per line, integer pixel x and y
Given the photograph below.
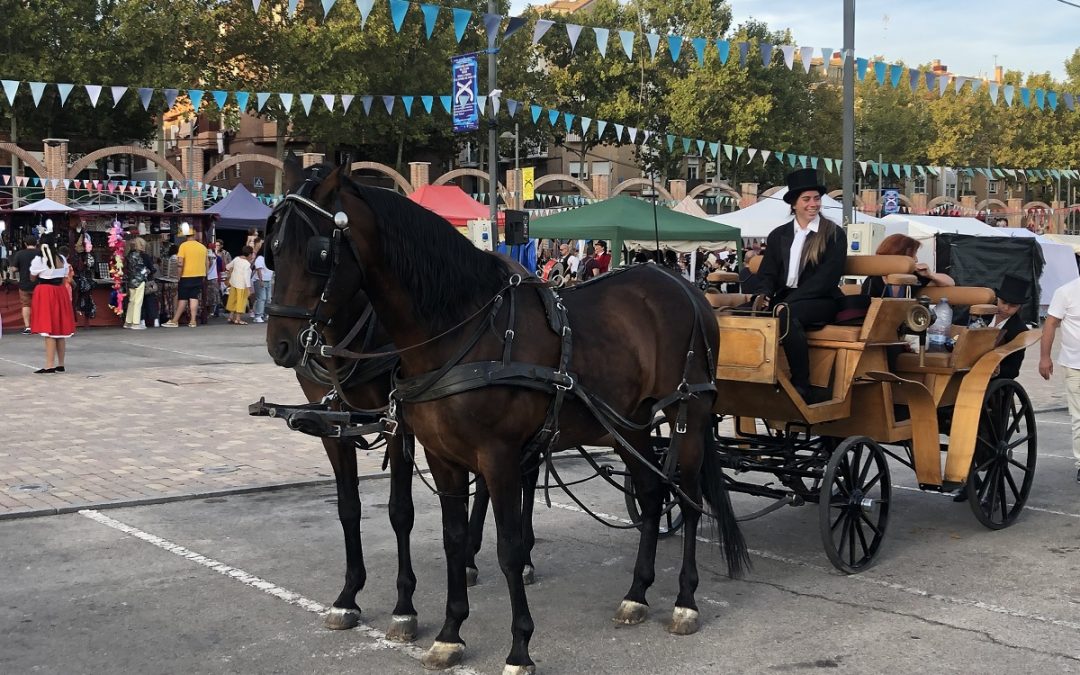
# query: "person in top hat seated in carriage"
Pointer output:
{"type": "Point", "coordinates": [1012, 294]}
{"type": "Point", "coordinates": [801, 269]}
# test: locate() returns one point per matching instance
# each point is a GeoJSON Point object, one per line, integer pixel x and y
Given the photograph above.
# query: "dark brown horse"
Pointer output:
{"type": "Point", "coordinates": [640, 339]}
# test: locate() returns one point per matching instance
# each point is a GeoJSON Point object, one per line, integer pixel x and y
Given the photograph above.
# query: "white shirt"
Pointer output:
{"type": "Point", "coordinates": [1066, 306]}
{"type": "Point", "coordinates": [795, 256]}
{"type": "Point", "coordinates": [572, 262]}
{"type": "Point", "coordinates": [40, 268]}
{"type": "Point", "coordinates": [261, 269]}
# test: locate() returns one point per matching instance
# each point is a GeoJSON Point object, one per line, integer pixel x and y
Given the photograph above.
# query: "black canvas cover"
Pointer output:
{"type": "Point", "coordinates": [984, 261]}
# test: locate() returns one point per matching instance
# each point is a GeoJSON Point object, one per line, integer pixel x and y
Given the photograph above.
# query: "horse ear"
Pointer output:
{"type": "Point", "coordinates": [345, 168]}
{"type": "Point", "coordinates": [294, 171]}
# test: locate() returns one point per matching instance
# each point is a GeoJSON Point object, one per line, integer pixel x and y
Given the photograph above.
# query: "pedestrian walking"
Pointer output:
{"type": "Point", "coordinates": [20, 262]}
{"type": "Point", "coordinates": [137, 274]}
{"type": "Point", "coordinates": [170, 275]}
{"type": "Point", "coordinates": [263, 282]}
{"type": "Point", "coordinates": [1064, 313]}
{"type": "Point", "coordinates": [52, 315]}
{"type": "Point", "coordinates": [191, 257]}
{"type": "Point", "coordinates": [214, 270]}
{"type": "Point", "coordinates": [239, 286]}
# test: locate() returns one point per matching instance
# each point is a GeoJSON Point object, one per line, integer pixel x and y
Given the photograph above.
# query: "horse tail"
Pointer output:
{"type": "Point", "coordinates": [716, 494]}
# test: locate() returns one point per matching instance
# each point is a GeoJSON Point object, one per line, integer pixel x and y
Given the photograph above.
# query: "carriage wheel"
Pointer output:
{"type": "Point", "coordinates": [853, 503]}
{"type": "Point", "coordinates": [1003, 467]}
{"type": "Point", "coordinates": [670, 522]}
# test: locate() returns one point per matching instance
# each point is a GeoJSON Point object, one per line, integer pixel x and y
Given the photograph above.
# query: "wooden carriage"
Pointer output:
{"type": "Point", "coordinates": [884, 401]}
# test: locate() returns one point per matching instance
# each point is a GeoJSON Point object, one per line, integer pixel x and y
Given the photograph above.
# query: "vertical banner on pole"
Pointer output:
{"type": "Point", "coordinates": [527, 182]}
{"type": "Point", "coordinates": [464, 70]}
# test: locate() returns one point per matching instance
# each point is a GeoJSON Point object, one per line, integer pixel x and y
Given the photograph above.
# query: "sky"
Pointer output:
{"type": "Point", "coordinates": [1029, 36]}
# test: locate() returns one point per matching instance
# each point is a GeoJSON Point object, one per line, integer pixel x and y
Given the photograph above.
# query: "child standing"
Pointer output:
{"type": "Point", "coordinates": [240, 285]}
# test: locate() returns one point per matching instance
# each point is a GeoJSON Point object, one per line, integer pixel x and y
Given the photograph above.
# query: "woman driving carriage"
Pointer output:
{"type": "Point", "coordinates": [800, 273]}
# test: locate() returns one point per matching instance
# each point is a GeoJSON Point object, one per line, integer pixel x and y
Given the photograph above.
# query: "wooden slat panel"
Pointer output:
{"type": "Point", "coordinates": [748, 349]}
{"type": "Point", "coordinates": [925, 446]}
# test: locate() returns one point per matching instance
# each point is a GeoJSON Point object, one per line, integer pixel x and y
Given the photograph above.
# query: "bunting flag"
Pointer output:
{"type": "Point", "coordinates": [573, 31]}
{"type": "Point", "coordinates": [260, 100]}
{"type": "Point", "coordinates": [398, 10]}
{"type": "Point", "coordinates": [514, 25]}
{"type": "Point", "coordinates": [286, 101]}
{"type": "Point", "coordinates": [654, 42]}
{"type": "Point", "coordinates": [766, 54]}
{"type": "Point", "coordinates": [306, 101]}
{"type": "Point", "coordinates": [93, 91]}
{"type": "Point", "coordinates": [365, 9]}
{"type": "Point", "coordinates": [431, 15]}
{"type": "Point", "coordinates": [170, 97]}
{"type": "Point", "coordinates": [744, 52]}
{"type": "Point", "coordinates": [195, 95]}
{"type": "Point", "coordinates": [541, 27]}
{"type": "Point", "coordinates": [491, 26]}
{"type": "Point", "coordinates": [806, 55]}
{"type": "Point", "coordinates": [65, 89]}
{"type": "Point", "coordinates": [723, 50]}
{"type": "Point", "coordinates": [36, 90]}
{"type": "Point", "coordinates": [220, 97]}
{"type": "Point", "coordinates": [602, 35]}
{"type": "Point", "coordinates": [145, 94]}
{"type": "Point", "coordinates": [699, 49]}
{"type": "Point", "coordinates": [461, 22]}
{"type": "Point", "coordinates": [789, 55]}
{"type": "Point", "coordinates": [626, 37]}
{"type": "Point", "coordinates": [674, 47]}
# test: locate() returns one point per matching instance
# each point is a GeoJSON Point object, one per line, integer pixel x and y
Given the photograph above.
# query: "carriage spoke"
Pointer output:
{"type": "Point", "coordinates": [866, 519]}
{"type": "Point", "coordinates": [1017, 442]}
{"type": "Point", "coordinates": [862, 538]}
{"type": "Point", "coordinates": [1003, 499]}
{"type": "Point", "coordinates": [873, 481]}
{"type": "Point", "coordinates": [843, 534]}
{"type": "Point", "coordinates": [865, 470]}
{"type": "Point", "coordinates": [981, 467]}
{"type": "Point", "coordinates": [1018, 465]}
{"type": "Point", "coordinates": [1012, 484]}
{"type": "Point", "coordinates": [851, 542]}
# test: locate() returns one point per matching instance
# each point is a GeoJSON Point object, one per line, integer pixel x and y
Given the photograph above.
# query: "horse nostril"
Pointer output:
{"type": "Point", "coordinates": [282, 352]}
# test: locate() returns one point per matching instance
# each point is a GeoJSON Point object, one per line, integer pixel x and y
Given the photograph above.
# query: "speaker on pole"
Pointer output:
{"type": "Point", "coordinates": [517, 227]}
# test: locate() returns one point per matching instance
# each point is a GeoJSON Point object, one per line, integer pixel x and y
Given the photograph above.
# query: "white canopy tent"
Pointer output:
{"type": "Point", "coordinates": [1060, 266]}
{"type": "Point", "coordinates": [45, 206]}
{"type": "Point", "coordinates": [758, 220]}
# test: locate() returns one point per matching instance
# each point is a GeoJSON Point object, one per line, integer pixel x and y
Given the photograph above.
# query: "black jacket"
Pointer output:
{"type": "Point", "coordinates": [821, 280]}
{"type": "Point", "coordinates": [1010, 365]}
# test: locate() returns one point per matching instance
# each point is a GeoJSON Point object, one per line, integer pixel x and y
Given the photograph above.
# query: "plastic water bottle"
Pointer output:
{"type": "Point", "coordinates": [938, 334]}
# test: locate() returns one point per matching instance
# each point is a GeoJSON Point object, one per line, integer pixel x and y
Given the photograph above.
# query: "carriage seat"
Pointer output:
{"type": "Point", "coordinates": [723, 278]}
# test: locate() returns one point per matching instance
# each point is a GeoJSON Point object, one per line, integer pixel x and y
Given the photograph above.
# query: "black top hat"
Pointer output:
{"type": "Point", "coordinates": [799, 182]}
{"type": "Point", "coordinates": [1013, 289]}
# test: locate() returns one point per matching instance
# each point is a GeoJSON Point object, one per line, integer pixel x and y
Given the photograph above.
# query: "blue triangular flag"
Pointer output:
{"type": "Point", "coordinates": [686, 145]}
{"type": "Point", "coordinates": [700, 147]}
{"type": "Point", "coordinates": [618, 132]}
{"type": "Point", "coordinates": [461, 22]}
{"type": "Point", "coordinates": [860, 68]}
{"type": "Point", "coordinates": [513, 25]}
{"type": "Point", "coordinates": [366, 102]}
{"type": "Point", "coordinates": [398, 10]}
{"type": "Point", "coordinates": [511, 107]}
{"type": "Point", "coordinates": [117, 94]}
{"type": "Point", "coordinates": [568, 120]}
{"type": "Point", "coordinates": [446, 102]}
{"type": "Point", "coordinates": [993, 91]}
{"type": "Point", "coordinates": [699, 49]}
{"type": "Point", "coordinates": [573, 31]}
{"type": "Point", "coordinates": [670, 142]}
{"type": "Point", "coordinates": [327, 5]}
{"type": "Point", "coordinates": [428, 101]}
{"type": "Point", "coordinates": [879, 71]}
{"type": "Point", "coordinates": [196, 98]}
{"type": "Point", "coordinates": [654, 41]}
{"type": "Point", "coordinates": [388, 103]}
{"type": "Point", "coordinates": [601, 125]}
{"type": "Point", "coordinates": [744, 52]}
{"type": "Point", "coordinates": [407, 102]}
{"type": "Point", "coordinates": [826, 57]}
{"type": "Point", "coordinates": [1040, 98]}
{"type": "Point", "coordinates": [553, 117]}
{"type": "Point", "coordinates": [491, 25]}
{"type": "Point", "coordinates": [36, 90]}
{"type": "Point", "coordinates": [714, 148]}
{"type": "Point", "coordinates": [674, 43]}
{"type": "Point", "coordinates": [1008, 91]}
{"type": "Point", "coordinates": [931, 80]}
{"type": "Point", "coordinates": [541, 27]}
{"type": "Point", "coordinates": [65, 89]}
{"type": "Point", "coordinates": [306, 100]}
{"type": "Point", "coordinates": [585, 122]}
{"type": "Point", "coordinates": [292, 8]}
{"type": "Point", "coordinates": [535, 111]}
{"type": "Point", "coordinates": [431, 15]}
{"type": "Point", "coordinates": [1051, 98]}
{"type": "Point", "coordinates": [723, 48]}
{"type": "Point", "coordinates": [766, 54]}
{"type": "Point", "coordinates": [895, 72]}
{"type": "Point", "coordinates": [627, 39]}
{"type": "Point", "coordinates": [1070, 101]}
{"type": "Point", "coordinates": [365, 9]}
{"type": "Point", "coordinates": [242, 100]}
{"type": "Point", "coordinates": [1025, 96]}
{"type": "Point", "coordinates": [94, 92]}
{"type": "Point", "coordinates": [602, 35]}
{"type": "Point", "coordinates": [914, 76]}
{"type": "Point", "coordinates": [286, 101]}
{"type": "Point", "coordinates": [261, 98]}
{"type": "Point", "coordinates": [220, 97]}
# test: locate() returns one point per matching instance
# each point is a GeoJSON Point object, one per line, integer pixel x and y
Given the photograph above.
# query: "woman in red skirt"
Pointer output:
{"type": "Point", "coordinates": [51, 313]}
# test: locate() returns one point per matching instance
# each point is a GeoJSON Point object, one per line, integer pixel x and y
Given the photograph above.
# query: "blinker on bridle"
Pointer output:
{"type": "Point", "coordinates": [322, 258]}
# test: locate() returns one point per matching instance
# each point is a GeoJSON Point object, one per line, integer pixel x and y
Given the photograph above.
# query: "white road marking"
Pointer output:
{"type": "Point", "coordinates": [263, 585]}
{"type": "Point", "coordinates": [171, 351]}
{"type": "Point", "coordinates": [866, 578]}
{"type": "Point", "coordinates": [1027, 507]}
{"type": "Point", "coordinates": [1053, 422]}
{"type": "Point", "coordinates": [19, 363]}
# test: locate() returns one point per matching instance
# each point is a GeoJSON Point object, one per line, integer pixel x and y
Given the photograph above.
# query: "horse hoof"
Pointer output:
{"type": "Point", "coordinates": [340, 618]}
{"type": "Point", "coordinates": [443, 655]}
{"type": "Point", "coordinates": [630, 613]}
{"type": "Point", "coordinates": [472, 575]}
{"type": "Point", "coordinates": [528, 575]}
{"type": "Point", "coordinates": [519, 670]}
{"type": "Point", "coordinates": [402, 628]}
{"type": "Point", "coordinates": [684, 621]}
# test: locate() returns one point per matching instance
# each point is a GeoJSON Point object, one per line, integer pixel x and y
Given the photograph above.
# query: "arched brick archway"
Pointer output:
{"type": "Point", "coordinates": [27, 159]}
{"type": "Point", "coordinates": [582, 187]}
{"type": "Point", "coordinates": [222, 167]}
{"type": "Point", "coordinates": [173, 172]}
{"type": "Point", "coordinates": [990, 203]}
{"type": "Point", "coordinates": [398, 179]}
{"type": "Point", "coordinates": [770, 192]}
{"type": "Point", "coordinates": [458, 173]}
{"type": "Point", "coordinates": [1036, 205]}
{"type": "Point", "coordinates": [643, 182]}
{"type": "Point", "coordinates": [838, 195]}
{"type": "Point", "coordinates": [721, 187]}
{"type": "Point", "coordinates": [938, 201]}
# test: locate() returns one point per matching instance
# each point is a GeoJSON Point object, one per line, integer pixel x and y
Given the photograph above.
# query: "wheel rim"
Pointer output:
{"type": "Point", "coordinates": [1003, 466]}
{"type": "Point", "coordinates": [853, 504]}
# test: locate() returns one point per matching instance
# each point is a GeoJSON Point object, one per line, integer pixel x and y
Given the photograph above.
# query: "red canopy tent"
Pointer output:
{"type": "Point", "coordinates": [451, 202]}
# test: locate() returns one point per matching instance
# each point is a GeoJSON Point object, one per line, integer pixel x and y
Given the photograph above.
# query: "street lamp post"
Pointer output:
{"type": "Point", "coordinates": [493, 139]}
{"type": "Point", "coordinates": [847, 174]}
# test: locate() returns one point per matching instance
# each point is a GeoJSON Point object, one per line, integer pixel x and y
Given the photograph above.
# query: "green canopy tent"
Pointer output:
{"type": "Point", "coordinates": [626, 219]}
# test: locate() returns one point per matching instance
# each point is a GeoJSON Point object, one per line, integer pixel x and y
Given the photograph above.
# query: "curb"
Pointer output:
{"type": "Point", "coordinates": [1060, 408]}
{"type": "Point", "coordinates": [149, 501]}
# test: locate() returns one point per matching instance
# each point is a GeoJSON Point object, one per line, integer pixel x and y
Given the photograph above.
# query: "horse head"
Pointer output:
{"type": "Point", "coordinates": [317, 295]}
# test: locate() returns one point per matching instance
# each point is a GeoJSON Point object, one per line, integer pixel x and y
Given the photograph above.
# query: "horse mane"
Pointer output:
{"type": "Point", "coordinates": [445, 275]}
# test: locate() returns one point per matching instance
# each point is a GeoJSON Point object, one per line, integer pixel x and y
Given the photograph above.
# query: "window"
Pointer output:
{"type": "Point", "coordinates": [965, 185]}
{"type": "Point", "coordinates": [601, 168]}
{"type": "Point", "coordinates": [920, 184]}
{"type": "Point", "coordinates": [236, 170]}
{"type": "Point", "coordinates": [579, 169]}
{"type": "Point", "coordinates": [992, 187]}
{"type": "Point", "coordinates": [692, 168]}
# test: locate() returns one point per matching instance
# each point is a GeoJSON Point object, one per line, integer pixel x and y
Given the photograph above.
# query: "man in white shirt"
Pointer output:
{"type": "Point", "coordinates": [1064, 311]}
{"type": "Point", "coordinates": [264, 278]}
{"type": "Point", "coordinates": [569, 260]}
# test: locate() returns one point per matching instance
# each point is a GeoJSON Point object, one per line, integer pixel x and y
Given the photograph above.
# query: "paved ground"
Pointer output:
{"type": "Point", "coordinates": [162, 414]}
